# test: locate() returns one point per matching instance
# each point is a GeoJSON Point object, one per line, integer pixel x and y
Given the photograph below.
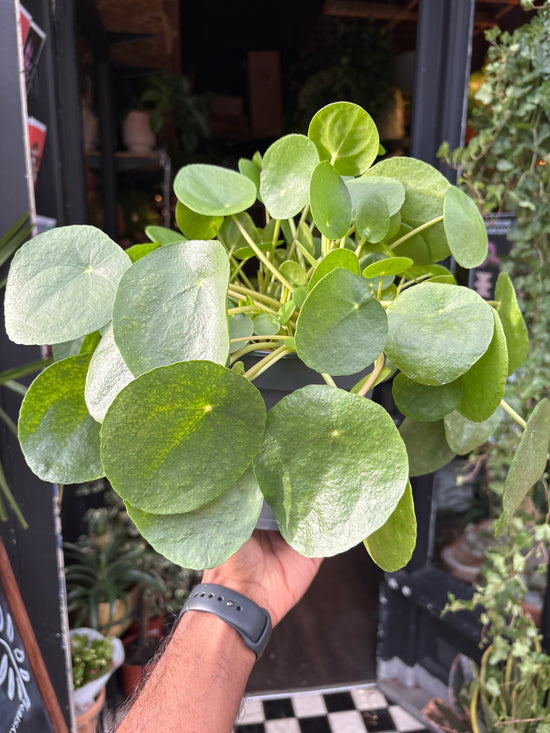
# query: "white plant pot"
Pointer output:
{"type": "Point", "coordinates": [137, 135]}
{"type": "Point", "coordinates": [84, 696]}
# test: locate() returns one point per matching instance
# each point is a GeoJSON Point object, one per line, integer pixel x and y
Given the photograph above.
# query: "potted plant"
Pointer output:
{"type": "Point", "coordinates": [311, 255]}
{"type": "Point", "coordinates": [104, 576]}
{"type": "Point", "coordinates": [94, 658]}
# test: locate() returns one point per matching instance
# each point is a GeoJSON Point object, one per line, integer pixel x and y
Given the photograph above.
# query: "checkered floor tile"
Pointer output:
{"type": "Point", "coordinates": [344, 710]}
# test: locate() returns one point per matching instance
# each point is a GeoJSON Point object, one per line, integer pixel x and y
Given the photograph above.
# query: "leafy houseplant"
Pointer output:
{"type": "Point", "coordinates": [103, 570]}
{"type": "Point", "coordinates": [94, 658]}
{"type": "Point", "coordinates": [309, 254]}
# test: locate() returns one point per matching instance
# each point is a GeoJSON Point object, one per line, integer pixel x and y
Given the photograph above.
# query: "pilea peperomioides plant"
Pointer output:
{"type": "Point", "coordinates": [311, 253]}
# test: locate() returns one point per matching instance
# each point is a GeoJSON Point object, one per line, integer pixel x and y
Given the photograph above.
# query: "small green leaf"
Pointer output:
{"type": "Point", "coordinates": [250, 169]}
{"type": "Point", "coordinates": [137, 251]}
{"type": "Point", "coordinates": [485, 382]}
{"type": "Point", "coordinates": [528, 463]}
{"type": "Point", "coordinates": [372, 217]}
{"type": "Point", "coordinates": [391, 547]}
{"type": "Point", "coordinates": [346, 136]}
{"type": "Point", "coordinates": [285, 312]}
{"type": "Point", "coordinates": [464, 436]}
{"type": "Point", "coordinates": [332, 468]}
{"type": "Point", "coordinates": [335, 258]}
{"type": "Point", "coordinates": [387, 266]}
{"type": "Point", "coordinates": [427, 447]}
{"type": "Point", "coordinates": [437, 332]}
{"type": "Point", "coordinates": [390, 189]}
{"type": "Point", "coordinates": [330, 202]}
{"type": "Point", "coordinates": [240, 326]}
{"type": "Point", "coordinates": [423, 402]}
{"type": "Point", "coordinates": [59, 438]}
{"type": "Point", "coordinates": [197, 226]}
{"type": "Point", "coordinates": [465, 229]}
{"type": "Point", "coordinates": [341, 328]}
{"type": "Point", "coordinates": [193, 540]}
{"type": "Point", "coordinates": [179, 436]}
{"type": "Point", "coordinates": [161, 235]}
{"type": "Point", "coordinates": [515, 330]}
{"type": "Point", "coordinates": [170, 306]}
{"type": "Point", "coordinates": [62, 284]}
{"type": "Point", "coordinates": [288, 165]}
{"type": "Point", "coordinates": [213, 190]}
{"type": "Point", "coordinates": [293, 272]}
{"type": "Point", "coordinates": [266, 324]}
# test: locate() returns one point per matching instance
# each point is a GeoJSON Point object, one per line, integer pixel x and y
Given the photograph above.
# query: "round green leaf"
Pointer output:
{"type": "Point", "coordinates": [374, 282]}
{"type": "Point", "coordinates": [465, 228]}
{"type": "Point", "coordinates": [437, 332]}
{"type": "Point", "coordinates": [197, 226]}
{"type": "Point", "coordinates": [390, 189]}
{"type": "Point", "coordinates": [485, 382]}
{"type": "Point", "coordinates": [330, 202]}
{"type": "Point", "coordinates": [209, 535]}
{"type": "Point", "coordinates": [240, 326]}
{"type": "Point", "coordinates": [346, 136]}
{"type": "Point", "coordinates": [288, 165]}
{"type": "Point", "coordinates": [528, 463]}
{"type": "Point", "coordinates": [387, 266]}
{"type": "Point", "coordinates": [137, 251]}
{"type": "Point", "coordinates": [293, 272]}
{"type": "Point", "coordinates": [170, 306]}
{"type": "Point", "coordinates": [213, 190]}
{"type": "Point", "coordinates": [250, 169]}
{"type": "Point", "coordinates": [62, 284]}
{"type": "Point", "coordinates": [59, 438]}
{"type": "Point", "coordinates": [162, 235]}
{"type": "Point", "coordinates": [341, 328]}
{"type": "Point", "coordinates": [266, 324]}
{"type": "Point", "coordinates": [427, 447]}
{"type": "Point", "coordinates": [463, 435]}
{"type": "Point", "coordinates": [425, 189]}
{"type": "Point", "coordinates": [335, 258]}
{"type": "Point", "coordinates": [107, 375]}
{"type": "Point", "coordinates": [178, 436]}
{"type": "Point", "coordinates": [332, 467]}
{"type": "Point", "coordinates": [424, 402]}
{"type": "Point", "coordinates": [372, 217]}
{"type": "Point", "coordinates": [391, 547]}
{"type": "Point", "coordinates": [515, 330]}
{"type": "Point", "coordinates": [233, 238]}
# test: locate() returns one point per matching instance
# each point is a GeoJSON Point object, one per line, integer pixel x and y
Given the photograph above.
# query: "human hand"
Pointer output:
{"type": "Point", "coordinates": [268, 571]}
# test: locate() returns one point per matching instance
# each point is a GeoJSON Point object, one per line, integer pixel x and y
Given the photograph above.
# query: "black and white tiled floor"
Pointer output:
{"type": "Point", "coordinates": [358, 709]}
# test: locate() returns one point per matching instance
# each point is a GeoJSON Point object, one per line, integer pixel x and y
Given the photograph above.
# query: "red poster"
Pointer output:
{"type": "Point", "coordinates": [37, 138]}
{"type": "Point", "coordinates": [25, 19]}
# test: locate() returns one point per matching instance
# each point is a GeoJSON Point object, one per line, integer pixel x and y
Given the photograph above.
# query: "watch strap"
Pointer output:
{"type": "Point", "coordinates": [251, 621]}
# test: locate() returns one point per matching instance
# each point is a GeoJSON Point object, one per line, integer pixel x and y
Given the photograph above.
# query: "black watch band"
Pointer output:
{"type": "Point", "coordinates": [251, 621]}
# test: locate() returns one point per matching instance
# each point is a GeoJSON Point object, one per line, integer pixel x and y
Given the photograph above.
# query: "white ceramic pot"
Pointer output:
{"type": "Point", "coordinates": [137, 135]}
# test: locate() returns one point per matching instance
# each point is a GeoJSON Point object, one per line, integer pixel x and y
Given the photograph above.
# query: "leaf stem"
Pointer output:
{"type": "Point", "coordinates": [413, 232]}
{"type": "Point", "coordinates": [260, 255]}
{"type": "Point", "coordinates": [237, 291]}
{"type": "Point", "coordinates": [266, 362]}
{"type": "Point", "coordinates": [249, 348]}
{"type": "Point", "coordinates": [513, 414]}
{"type": "Point", "coordinates": [378, 366]}
{"type": "Point", "coordinates": [329, 380]}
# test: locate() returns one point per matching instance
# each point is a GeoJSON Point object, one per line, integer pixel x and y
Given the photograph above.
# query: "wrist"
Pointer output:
{"type": "Point", "coordinates": [251, 590]}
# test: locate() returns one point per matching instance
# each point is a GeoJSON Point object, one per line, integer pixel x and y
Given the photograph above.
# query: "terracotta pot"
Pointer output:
{"type": "Point", "coordinates": [86, 722]}
{"type": "Point", "coordinates": [132, 675]}
{"type": "Point", "coordinates": [137, 135]}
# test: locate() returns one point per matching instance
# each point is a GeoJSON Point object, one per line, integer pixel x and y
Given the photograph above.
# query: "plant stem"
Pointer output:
{"type": "Point", "coordinates": [513, 414]}
{"type": "Point", "coordinates": [378, 366]}
{"type": "Point", "coordinates": [329, 380]}
{"type": "Point", "coordinates": [412, 233]}
{"type": "Point", "coordinates": [238, 291]}
{"type": "Point", "coordinates": [248, 349]}
{"type": "Point", "coordinates": [266, 362]}
{"type": "Point", "coordinates": [11, 501]}
{"type": "Point", "coordinates": [260, 255]}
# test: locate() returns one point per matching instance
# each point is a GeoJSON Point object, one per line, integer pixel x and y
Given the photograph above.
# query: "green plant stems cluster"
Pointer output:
{"type": "Point", "coordinates": [90, 658]}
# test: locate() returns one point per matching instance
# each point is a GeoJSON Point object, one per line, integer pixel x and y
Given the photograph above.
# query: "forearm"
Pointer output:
{"type": "Point", "coordinates": [198, 683]}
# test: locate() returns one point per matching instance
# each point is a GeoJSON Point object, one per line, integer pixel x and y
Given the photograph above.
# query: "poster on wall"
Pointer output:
{"type": "Point", "coordinates": [27, 699]}
{"type": "Point", "coordinates": [32, 48]}
{"type": "Point", "coordinates": [37, 139]}
{"type": "Point", "coordinates": [25, 19]}
{"type": "Point", "coordinates": [485, 276]}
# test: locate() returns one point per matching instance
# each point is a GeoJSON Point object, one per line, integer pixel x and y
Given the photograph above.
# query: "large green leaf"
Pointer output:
{"type": "Point", "coordinates": [391, 547]}
{"type": "Point", "coordinates": [427, 448]}
{"type": "Point", "coordinates": [390, 189]}
{"type": "Point", "coordinates": [212, 190]}
{"type": "Point", "coordinates": [59, 438]}
{"type": "Point", "coordinates": [335, 258]}
{"type": "Point", "coordinates": [288, 165]}
{"type": "Point", "coordinates": [341, 328]}
{"type": "Point", "coordinates": [425, 189]}
{"type": "Point", "coordinates": [197, 226]}
{"type": "Point", "coordinates": [107, 375]}
{"type": "Point", "coordinates": [330, 201]}
{"type": "Point", "coordinates": [528, 463]}
{"type": "Point", "coordinates": [346, 136]}
{"type": "Point", "coordinates": [332, 468]}
{"type": "Point", "coordinates": [464, 436]}
{"type": "Point", "coordinates": [465, 229]}
{"type": "Point", "coordinates": [170, 306]}
{"type": "Point", "coordinates": [178, 436]}
{"type": "Point", "coordinates": [62, 284]}
{"type": "Point", "coordinates": [425, 402]}
{"type": "Point", "coordinates": [515, 330]}
{"type": "Point", "coordinates": [207, 536]}
{"type": "Point", "coordinates": [437, 332]}
{"type": "Point", "coordinates": [485, 382]}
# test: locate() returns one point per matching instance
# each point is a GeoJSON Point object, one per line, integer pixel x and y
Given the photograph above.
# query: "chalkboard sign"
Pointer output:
{"type": "Point", "coordinates": [485, 276]}
{"type": "Point", "coordinates": [27, 698]}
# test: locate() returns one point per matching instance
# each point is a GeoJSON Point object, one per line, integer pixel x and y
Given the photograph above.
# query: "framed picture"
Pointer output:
{"type": "Point", "coordinates": [27, 699]}
{"type": "Point", "coordinates": [32, 48]}
{"type": "Point", "coordinates": [25, 19]}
